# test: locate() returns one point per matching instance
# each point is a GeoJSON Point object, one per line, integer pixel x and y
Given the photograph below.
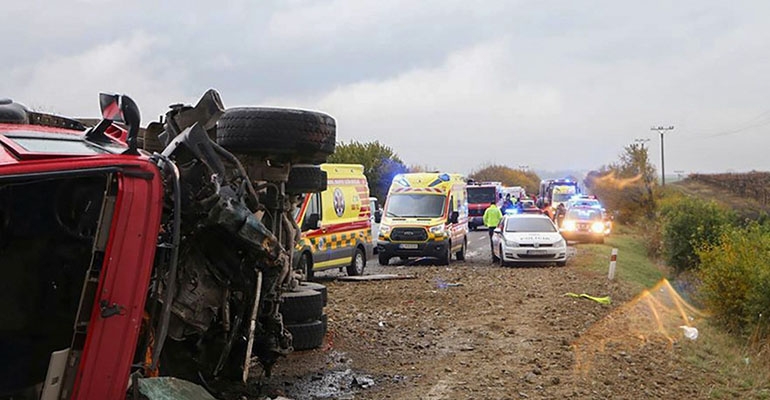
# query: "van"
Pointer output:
{"type": "Point", "coordinates": [335, 223]}
{"type": "Point", "coordinates": [426, 215]}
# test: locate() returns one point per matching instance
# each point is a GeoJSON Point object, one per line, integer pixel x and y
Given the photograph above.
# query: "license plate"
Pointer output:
{"type": "Point", "coordinates": [408, 246]}
{"type": "Point", "coordinates": [534, 252]}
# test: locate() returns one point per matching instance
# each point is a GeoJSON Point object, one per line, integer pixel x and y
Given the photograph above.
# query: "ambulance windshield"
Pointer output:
{"type": "Point", "coordinates": [415, 205]}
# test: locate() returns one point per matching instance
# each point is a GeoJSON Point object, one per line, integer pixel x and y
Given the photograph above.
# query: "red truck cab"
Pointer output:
{"type": "Point", "coordinates": [480, 195]}
{"type": "Point", "coordinates": [69, 285]}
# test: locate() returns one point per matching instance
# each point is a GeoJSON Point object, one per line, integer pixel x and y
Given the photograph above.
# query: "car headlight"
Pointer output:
{"type": "Point", "coordinates": [438, 230]}
{"type": "Point", "coordinates": [597, 227]}
{"type": "Point", "coordinates": [568, 225]}
{"type": "Point", "coordinates": [560, 243]}
{"type": "Point", "coordinates": [384, 230]}
{"type": "Point", "coordinates": [509, 243]}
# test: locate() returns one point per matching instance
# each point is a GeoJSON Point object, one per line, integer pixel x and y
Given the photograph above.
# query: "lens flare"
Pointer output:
{"type": "Point", "coordinates": [654, 316]}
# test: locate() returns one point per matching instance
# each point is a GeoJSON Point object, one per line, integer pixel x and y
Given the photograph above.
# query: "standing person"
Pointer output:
{"type": "Point", "coordinates": [507, 204]}
{"type": "Point", "coordinates": [561, 212]}
{"type": "Point", "coordinates": [492, 217]}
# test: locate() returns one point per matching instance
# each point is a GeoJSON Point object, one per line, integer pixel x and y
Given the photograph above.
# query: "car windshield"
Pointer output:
{"type": "Point", "coordinates": [415, 205]}
{"type": "Point", "coordinates": [478, 195]}
{"type": "Point", "coordinates": [562, 197]}
{"type": "Point", "coordinates": [587, 214]}
{"type": "Point", "coordinates": [529, 225]}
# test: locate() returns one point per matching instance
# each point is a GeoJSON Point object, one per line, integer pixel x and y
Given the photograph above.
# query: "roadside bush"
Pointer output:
{"type": "Point", "coordinates": [688, 224]}
{"type": "Point", "coordinates": [735, 279]}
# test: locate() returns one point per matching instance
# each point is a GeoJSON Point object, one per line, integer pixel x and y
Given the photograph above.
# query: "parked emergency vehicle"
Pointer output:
{"type": "Point", "coordinates": [335, 224]}
{"type": "Point", "coordinates": [480, 195]}
{"type": "Point", "coordinates": [426, 215]}
{"type": "Point", "coordinates": [554, 192]}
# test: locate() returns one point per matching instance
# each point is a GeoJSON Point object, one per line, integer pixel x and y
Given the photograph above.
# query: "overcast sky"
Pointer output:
{"type": "Point", "coordinates": [448, 84]}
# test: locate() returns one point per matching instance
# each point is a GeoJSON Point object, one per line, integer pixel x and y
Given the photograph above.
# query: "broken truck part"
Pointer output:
{"type": "Point", "coordinates": [147, 252]}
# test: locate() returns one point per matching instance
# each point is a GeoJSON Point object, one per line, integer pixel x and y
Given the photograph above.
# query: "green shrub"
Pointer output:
{"type": "Point", "coordinates": [735, 278]}
{"type": "Point", "coordinates": [687, 224]}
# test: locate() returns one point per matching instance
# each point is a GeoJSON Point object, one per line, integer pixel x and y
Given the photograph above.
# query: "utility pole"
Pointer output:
{"type": "Point", "coordinates": [662, 130]}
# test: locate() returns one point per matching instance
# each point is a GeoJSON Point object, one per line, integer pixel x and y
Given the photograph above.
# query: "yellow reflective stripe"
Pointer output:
{"type": "Point", "coordinates": [336, 261]}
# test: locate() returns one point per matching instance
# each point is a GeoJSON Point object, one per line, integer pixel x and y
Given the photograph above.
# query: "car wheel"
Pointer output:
{"type": "Point", "coordinates": [460, 255]}
{"type": "Point", "coordinates": [383, 259]}
{"type": "Point", "coordinates": [446, 257]}
{"type": "Point", "coordinates": [358, 263]}
{"type": "Point", "coordinates": [501, 260]}
{"type": "Point", "coordinates": [279, 134]}
{"type": "Point", "coordinates": [306, 266]}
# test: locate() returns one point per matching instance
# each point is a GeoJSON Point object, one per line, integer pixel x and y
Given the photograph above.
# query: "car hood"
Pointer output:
{"type": "Point", "coordinates": [530, 237]}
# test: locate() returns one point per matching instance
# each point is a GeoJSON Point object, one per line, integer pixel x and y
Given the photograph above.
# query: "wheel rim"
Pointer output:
{"type": "Point", "coordinates": [359, 264]}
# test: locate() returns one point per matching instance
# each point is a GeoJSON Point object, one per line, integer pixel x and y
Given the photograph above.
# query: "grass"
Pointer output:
{"type": "Point", "coordinates": [633, 264]}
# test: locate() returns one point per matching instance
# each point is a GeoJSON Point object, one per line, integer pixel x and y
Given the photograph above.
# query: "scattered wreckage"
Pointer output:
{"type": "Point", "coordinates": [163, 251]}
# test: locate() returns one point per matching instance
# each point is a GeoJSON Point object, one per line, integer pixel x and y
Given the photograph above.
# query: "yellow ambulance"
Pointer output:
{"type": "Point", "coordinates": [335, 223]}
{"type": "Point", "coordinates": [426, 215]}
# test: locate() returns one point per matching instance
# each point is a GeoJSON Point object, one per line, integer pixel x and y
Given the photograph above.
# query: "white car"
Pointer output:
{"type": "Point", "coordinates": [528, 239]}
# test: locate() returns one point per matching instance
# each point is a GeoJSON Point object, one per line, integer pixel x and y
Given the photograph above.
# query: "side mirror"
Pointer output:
{"type": "Point", "coordinates": [498, 230]}
{"type": "Point", "coordinates": [312, 221]}
{"type": "Point", "coordinates": [121, 108]}
{"type": "Point", "coordinates": [454, 217]}
{"type": "Point", "coordinates": [378, 216]}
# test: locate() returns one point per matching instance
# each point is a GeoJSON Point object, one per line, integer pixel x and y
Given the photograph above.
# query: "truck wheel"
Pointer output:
{"type": "Point", "coordinates": [460, 255]}
{"type": "Point", "coordinates": [301, 306]}
{"type": "Point", "coordinates": [308, 335]}
{"type": "Point", "coordinates": [280, 134]}
{"type": "Point", "coordinates": [358, 263]}
{"type": "Point", "coordinates": [318, 288]}
{"type": "Point", "coordinates": [383, 259]}
{"type": "Point", "coordinates": [306, 179]}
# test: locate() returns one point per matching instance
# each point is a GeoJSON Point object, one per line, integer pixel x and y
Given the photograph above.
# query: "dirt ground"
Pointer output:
{"type": "Point", "coordinates": [475, 330]}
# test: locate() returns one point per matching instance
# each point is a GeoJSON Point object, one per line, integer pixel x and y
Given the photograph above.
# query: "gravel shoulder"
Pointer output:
{"type": "Point", "coordinates": [501, 333]}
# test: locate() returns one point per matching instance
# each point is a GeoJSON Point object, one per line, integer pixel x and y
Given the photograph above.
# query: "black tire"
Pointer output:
{"type": "Point", "coordinates": [308, 335]}
{"type": "Point", "coordinates": [318, 288]}
{"type": "Point", "coordinates": [357, 263]}
{"type": "Point", "coordinates": [301, 306]}
{"type": "Point", "coordinates": [278, 133]}
{"type": "Point", "coordinates": [460, 255]}
{"type": "Point", "coordinates": [305, 264]}
{"type": "Point", "coordinates": [383, 259]}
{"type": "Point", "coordinates": [306, 179]}
{"type": "Point", "coordinates": [447, 256]}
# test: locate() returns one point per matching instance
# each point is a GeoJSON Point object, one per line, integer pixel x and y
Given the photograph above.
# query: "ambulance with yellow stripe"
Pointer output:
{"type": "Point", "coordinates": [426, 215]}
{"type": "Point", "coordinates": [335, 224]}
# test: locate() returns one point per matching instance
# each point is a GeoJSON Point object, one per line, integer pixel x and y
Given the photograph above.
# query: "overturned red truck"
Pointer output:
{"type": "Point", "coordinates": [129, 253]}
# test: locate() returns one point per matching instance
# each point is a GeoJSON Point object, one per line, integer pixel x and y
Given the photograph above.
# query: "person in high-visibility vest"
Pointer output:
{"type": "Point", "coordinates": [492, 217]}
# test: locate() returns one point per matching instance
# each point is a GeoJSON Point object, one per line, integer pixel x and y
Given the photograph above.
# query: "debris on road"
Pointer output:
{"type": "Point", "coordinates": [600, 300]}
